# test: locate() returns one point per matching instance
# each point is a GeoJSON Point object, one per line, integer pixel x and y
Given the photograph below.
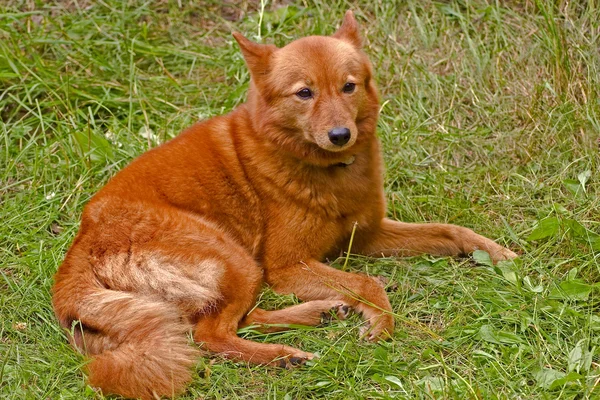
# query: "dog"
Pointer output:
{"type": "Point", "coordinates": [184, 237]}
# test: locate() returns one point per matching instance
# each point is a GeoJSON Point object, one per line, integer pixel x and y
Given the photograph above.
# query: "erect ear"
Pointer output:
{"type": "Point", "coordinates": [257, 56]}
{"type": "Point", "coordinates": [348, 32]}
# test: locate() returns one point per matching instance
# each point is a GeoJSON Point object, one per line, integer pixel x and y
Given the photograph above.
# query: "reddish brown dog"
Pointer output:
{"type": "Point", "coordinates": [186, 235]}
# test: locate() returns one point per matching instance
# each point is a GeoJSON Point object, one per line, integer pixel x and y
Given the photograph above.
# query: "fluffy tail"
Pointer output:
{"type": "Point", "coordinates": [138, 345]}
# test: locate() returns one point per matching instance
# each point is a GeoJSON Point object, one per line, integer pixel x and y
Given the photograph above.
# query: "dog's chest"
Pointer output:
{"type": "Point", "coordinates": [311, 217]}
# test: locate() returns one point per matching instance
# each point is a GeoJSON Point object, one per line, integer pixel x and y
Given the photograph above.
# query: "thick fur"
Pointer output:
{"type": "Point", "coordinates": [183, 238]}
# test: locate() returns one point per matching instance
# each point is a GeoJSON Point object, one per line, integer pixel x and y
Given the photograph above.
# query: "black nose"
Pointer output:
{"type": "Point", "coordinates": [339, 136]}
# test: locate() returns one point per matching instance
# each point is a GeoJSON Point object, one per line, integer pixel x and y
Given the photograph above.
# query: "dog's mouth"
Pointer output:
{"type": "Point", "coordinates": [335, 149]}
{"type": "Point", "coordinates": [347, 162]}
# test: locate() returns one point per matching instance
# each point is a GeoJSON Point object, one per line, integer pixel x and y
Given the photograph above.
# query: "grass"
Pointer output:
{"type": "Point", "coordinates": [490, 119]}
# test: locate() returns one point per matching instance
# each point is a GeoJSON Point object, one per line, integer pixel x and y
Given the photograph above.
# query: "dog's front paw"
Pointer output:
{"type": "Point", "coordinates": [471, 241]}
{"type": "Point", "coordinates": [500, 253]}
{"type": "Point", "coordinates": [294, 360]}
{"type": "Point", "coordinates": [504, 254]}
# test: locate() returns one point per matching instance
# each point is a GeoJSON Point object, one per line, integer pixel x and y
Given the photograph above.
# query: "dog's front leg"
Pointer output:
{"type": "Point", "coordinates": [395, 238]}
{"type": "Point", "coordinates": [312, 280]}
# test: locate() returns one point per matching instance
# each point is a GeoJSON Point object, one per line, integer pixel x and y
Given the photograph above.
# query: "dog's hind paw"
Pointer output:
{"type": "Point", "coordinates": [339, 311]}
{"type": "Point", "coordinates": [503, 254]}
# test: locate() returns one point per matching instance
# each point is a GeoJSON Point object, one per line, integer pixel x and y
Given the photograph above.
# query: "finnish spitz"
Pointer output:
{"type": "Point", "coordinates": [183, 238]}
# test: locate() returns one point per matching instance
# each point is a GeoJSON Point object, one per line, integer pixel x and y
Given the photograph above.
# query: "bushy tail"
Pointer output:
{"type": "Point", "coordinates": [138, 345]}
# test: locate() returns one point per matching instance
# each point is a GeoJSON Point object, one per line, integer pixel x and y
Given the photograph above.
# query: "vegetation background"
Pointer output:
{"type": "Point", "coordinates": [490, 118]}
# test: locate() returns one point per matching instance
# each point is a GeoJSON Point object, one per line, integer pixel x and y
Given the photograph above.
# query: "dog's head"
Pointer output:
{"type": "Point", "coordinates": [316, 96]}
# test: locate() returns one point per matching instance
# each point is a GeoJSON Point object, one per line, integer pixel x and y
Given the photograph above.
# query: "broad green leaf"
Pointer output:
{"type": "Point", "coordinates": [586, 360]}
{"type": "Point", "coordinates": [450, 11]}
{"type": "Point", "coordinates": [482, 258]}
{"type": "Point", "coordinates": [488, 334]}
{"type": "Point", "coordinates": [273, 19]}
{"type": "Point", "coordinates": [94, 145]}
{"type": "Point", "coordinates": [583, 178]}
{"type": "Point", "coordinates": [545, 228]}
{"type": "Point", "coordinates": [508, 337]}
{"type": "Point", "coordinates": [395, 381]}
{"type": "Point", "coordinates": [545, 377]}
{"type": "Point", "coordinates": [595, 322]}
{"type": "Point", "coordinates": [505, 268]}
{"type": "Point", "coordinates": [582, 234]}
{"type": "Point", "coordinates": [560, 209]}
{"type": "Point", "coordinates": [432, 383]}
{"type": "Point", "coordinates": [526, 319]}
{"type": "Point", "coordinates": [530, 286]}
{"type": "Point", "coordinates": [381, 353]}
{"type": "Point", "coordinates": [572, 274]}
{"type": "Point", "coordinates": [576, 357]}
{"type": "Point", "coordinates": [573, 186]}
{"type": "Point", "coordinates": [570, 377]}
{"type": "Point", "coordinates": [485, 354]}
{"type": "Point", "coordinates": [595, 243]}
{"type": "Point", "coordinates": [571, 290]}
{"type": "Point", "coordinates": [580, 358]}
{"type": "Point", "coordinates": [576, 230]}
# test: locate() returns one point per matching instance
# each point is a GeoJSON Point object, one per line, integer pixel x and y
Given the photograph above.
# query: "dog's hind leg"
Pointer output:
{"type": "Point", "coordinates": [311, 313]}
{"type": "Point", "coordinates": [216, 328]}
{"type": "Point", "coordinates": [189, 263]}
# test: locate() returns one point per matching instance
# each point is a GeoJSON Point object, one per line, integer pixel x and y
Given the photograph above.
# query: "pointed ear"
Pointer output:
{"type": "Point", "coordinates": [257, 56]}
{"type": "Point", "coordinates": [348, 32]}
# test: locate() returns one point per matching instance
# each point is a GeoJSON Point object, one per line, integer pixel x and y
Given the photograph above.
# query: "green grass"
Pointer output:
{"type": "Point", "coordinates": [490, 119]}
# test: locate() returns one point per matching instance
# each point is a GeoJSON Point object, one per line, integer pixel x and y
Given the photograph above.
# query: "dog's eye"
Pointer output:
{"type": "Point", "coordinates": [349, 87]}
{"type": "Point", "coordinates": [304, 93]}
